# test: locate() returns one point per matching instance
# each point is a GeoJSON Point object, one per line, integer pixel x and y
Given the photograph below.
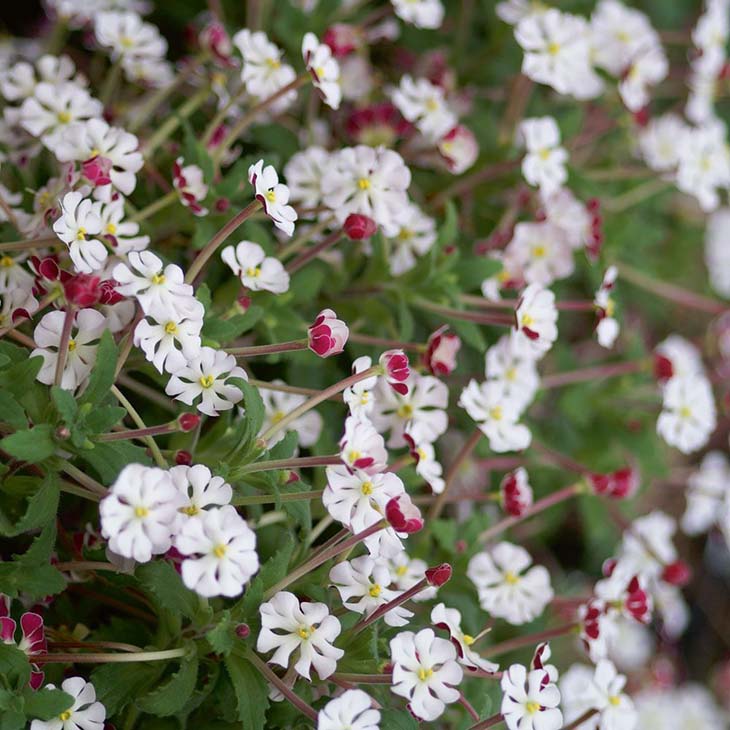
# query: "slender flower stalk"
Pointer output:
{"type": "Point", "coordinates": [542, 504]}
{"type": "Point", "coordinates": [315, 400]}
{"type": "Point", "coordinates": [127, 342]}
{"type": "Point", "coordinates": [78, 491]}
{"type": "Point", "coordinates": [32, 243]}
{"type": "Point", "coordinates": [587, 715]}
{"type": "Point", "coordinates": [311, 253]}
{"type": "Point", "coordinates": [475, 301]}
{"type": "Point", "coordinates": [301, 462]}
{"type": "Point", "coordinates": [273, 349]}
{"type": "Point", "coordinates": [64, 344]}
{"type": "Point", "coordinates": [137, 656]}
{"type": "Point", "coordinates": [140, 433]}
{"type": "Point", "coordinates": [174, 121]}
{"type": "Point", "coordinates": [530, 639]}
{"type": "Point", "coordinates": [156, 206]}
{"type": "Point", "coordinates": [385, 342]}
{"type": "Point", "coordinates": [91, 484]}
{"type": "Point", "coordinates": [211, 247]}
{"type": "Point", "coordinates": [468, 707]}
{"type": "Point", "coordinates": [489, 722]}
{"type": "Point", "coordinates": [284, 388]}
{"type": "Point", "coordinates": [303, 238]}
{"type": "Point", "coordinates": [598, 372]}
{"type": "Point", "coordinates": [118, 645]}
{"type": "Point", "coordinates": [477, 317]}
{"type": "Point", "coordinates": [9, 214]}
{"type": "Point", "coordinates": [153, 447]}
{"type": "Point", "coordinates": [79, 565]}
{"type": "Point", "coordinates": [273, 498]}
{"type": "Point", "coordinates": [363, 678]}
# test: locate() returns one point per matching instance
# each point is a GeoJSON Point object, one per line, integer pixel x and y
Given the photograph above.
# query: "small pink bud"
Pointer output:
{"type": "Point", "coordinates": [516, 492]}
{"type": "Point", "coordinates": [244, 302]}
{"type": "Point", "coordinates": [618, 484]}
{"type": "Point", "coordinates": [460, 546]}
{"type": "Point", "coordinates": [642, 117]}
{"type": "Point", "coordinates": [97, 170]}
{"type": "Point", "coordinates": [677, 573]}
{"type": "Point", "coordinates": [440, 355]}
{"type": "Point", "coordinates": [183, 458]}
{"type": "Point", "coordinates": [221, 205]}
{"type": "Point", "coordinates": [358, 226]}
{"type": "Point", "coordinates": [328, 335]}
{"type": "Point", "coordinates": [663, 368]}
{"type": "Point", "coordinates": [637, 601]}
{"type": "Point", "coordinates": [188, 421]}
{"type": "Point", "coordinates": [243, 631]}
{"type": "Point", "coordinates": [397, 370]}
{"type": "Point", "coordinates": [82, 290]}
{"type": "Point", "coordinates": [62, 433]}
{"type": "Point", "coordinates": [438, 575]}
{"type": "Point", "coordinates": [403, 515]}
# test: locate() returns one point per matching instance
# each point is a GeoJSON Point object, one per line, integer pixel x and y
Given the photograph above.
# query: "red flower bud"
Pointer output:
{"type": "Point", "coordinates": [82, 290]}
{"type": "Point", "coordinates": [358, 226]}
{"type": "Point", "coordinates": [97, 170]}
{"type": "Point", "coordinates": [663, 368]}
{"type": "Point", "coordinates": [108, 293]}
{"type": "Point", "coordinates": [183, 458]}
{"type": "Point", "coordinates": [221, 205]}
{"type": "Point", "coordinates": [516, 492]}
{"type": "Point", "coordinates": [440, 355]}
{"type": "Point", "coordinates": [438, 575]}
{"type": "Point", "coordinates": [677, 573]}
{"type": "Point", "coordinates": [328, 335]}
{"type": "Point", "coordinates": [619, 484]}
{"type": "Point", "coordinates": [188, 421]}
{"type": "Point", "coordinates": [397, 370]}
{"type": "Point", "coordinates": [403, 515]}
{"type": "Point", "coordinates": [243, 631]}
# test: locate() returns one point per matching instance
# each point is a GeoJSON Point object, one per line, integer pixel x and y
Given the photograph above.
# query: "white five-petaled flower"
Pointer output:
{"type": "Point", "coordinates": [530, 700]}
{"type": "Point", "coordinates": [359, 397]}
{"type": "Point", "coordinates": [139, 514]}
{"type": "Point", "coordinates": [688, 415]}
{"type": "Point", "coordinates": [352, 710]}
{"type": "Point", "coordinates": [412, 234]}
{"type": "Point", "coordinates": [496, 414]}
{"type": "Point", "coordinates": [84, 714]}
{"type": "Point", "coordinates": [450, 620]}
{"type": "Point", "coordinates": [363, 587]}
{"type": "Point", "coordinates": [273, 195]}
{"type": "Point", "coordinates": [323, 68]}
{"type": "Point", "coordinates": [408, 571]}
{"type": "Point", "coordinates": [128, 36]}
{"type": "Point", "coordinates": [647, 545]}
{"type": "Point", "coordinates": [121, 234]}
{"type": "Point", "coordinates": [206, 376]}
{"type": "Point", "coordinates": [544, 162]}
{"type": "Point", "coordinates": [19, 80]}
{"type": "Point", "coordinates": [514, 370]}
{"type": "Point", "coordinates": [427, 465]}
{"type": "Point", "coordinates": [80, 221]}
{"type": "Point", "coordinates": [541, 251]}
{"type": "Point", "coordinates": [304, 173]}
{"type": "Point", "coordinates": [708, 488]}
{"type": "Point", "coordinates": [224, 550]}
{"type": "Point", "coordinates": [277, 404]}
{"type": "Point", "coordinates": [423, 103]}
{"type": "Point", "coordinates": [256, 270]}
{"type": "Point", "coordinates": [362, 447]}
{"type": "Point", "coordinates": [198, 490]}
{"type": "Point", "coordinates": [425, 672]}
{"type": "Point", "coordinates": [421, 13]}
{"type": "Point", "coordinates": [86, 329]}
{"type": "Point", "coordinates": [536, 321]}
{"type": "Point", "coordinates": [307, 629]}
{"type": "Point", "coordinates": [508, 587]}
{"type": "Point", "coordinates": [190, 185]}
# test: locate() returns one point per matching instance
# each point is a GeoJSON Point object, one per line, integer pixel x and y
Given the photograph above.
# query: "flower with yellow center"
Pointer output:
{"type": "Point", "coordinates": [141, 512]}
{"type": "Point", "coordinates": [527, 320]}
{"type": "Point", "coordinates": [363, 183]}
{"type": "Point", "coordinates": [207, 381]}
{"type": "Point", "coordinates": [219, 551]}
{"type": "Point", "coordinates": [305, 632]}
{"type": "Point", "coordinates": [553, 48]}
{"type": "Point", "coordinates": [158, 279]}
{"type": "Point", "coordinates": [65, 715]}
{"type": "Point", "coordinates": [81, 234]}
{"type": "Point", "coordinates": [111, 229]}
{"type": "Point", "coordinates": [468, 639]}
{"type": "Point", "coordinates": [171, 328]}
{"type": "Point", "coordinates": [71, 345]}
{"type": "Point", "coordinates": [425, 674]}
{"type": "Point", "coordinates": [511, 578]}
{"type": "Point", "coordinates": [495, 413]}
{"type": "Point", "coordinates": [367, 488]}
{"type": "Point", "coordinates": [6, 262]}
{"type": "Point", "coordinates": [615, 700]}
{"type": "Point", "coordinates": [273, 63]}
{"type": "Point", "coordinates": [685, 412]}
{"type": "Point", "coordinates": [375, 590]}
{"type": "Point", "coordinates": [405, 411]}
{"type": "Point", "coordinates": [270, 196]}
{"type": "Point", "coordinates": [532, 707]}
{"type": "Point", "coordinates": [539, 251]}
{"type": "Point", "coordinates": [63, 117]}
{"type": "Point", "coordinates": [253, 271]}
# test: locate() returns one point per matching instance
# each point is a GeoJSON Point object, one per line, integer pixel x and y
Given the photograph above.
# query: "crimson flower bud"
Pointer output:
{"type": "Point", "coordinates": [328, 335]}
{"type": "Point", "coordinates": [97, 170]}
{"type": "Point", "coordinates": [108, 293]}
{"type": "Point", "coordinates": [244, 302]}
{"type": "Point", "coordinates": [516, 492]}
{"type": "Point", "coordinates": [440, 355]}
{"type": "Point", "coordinates": [403, 515]}
{"type": "Point", "coordinates": [397, 370]}
{"type": "Point", "coordinates": [358, 226]}
{"type": "Point", "coordinates": [637, 601]}
{"type": "Point", "coordinates": [677, 573]}
{"type": "Point", "coordinates": [188, 421]}
{"type": "Point", "coordinates": [243, 631]}
{"type": "Point", "coordinates": [438, 575]}
{"type": "Point", "coordinates": [663, 368]}
{"type": "Point", "coordinates": [82, 290]}
{"type": "Point", "coordinates": [221, 205]}
{"type": "Point", "coordinates": [214, 38]}
{"type": "Point", "coordinates": [642, 117]}
{"type": "Point", "coordinates": [183, 458]}
{"type": "Point", "coordinates": [618, 484]}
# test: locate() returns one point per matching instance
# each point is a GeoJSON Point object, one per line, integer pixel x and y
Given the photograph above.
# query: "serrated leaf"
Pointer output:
{"type": "Point", "coordinates": [46, 704]}
{"type": "Point", "coordinates": [161, 580]}
{"type": "Point", "coordinates": [11, 411]}
{"type": "Point", "coordinates": [31, 445]}
{"type": "Point", "coordinates": [65, 404]}
{"type": "Point", "coordinates": [14, 666]}
{"type": "Point", "coordinates": [108, 458]}
{"type": "Point", "coordinates": [119, 684]}
{"type": "Point", "coordinates": [102, 375]}
{"type": "Point", "coordinates": [100, 420]}
{"type": "Point", "coordinates": [20, 377]}
{"type": "Point", "coordinates": [171, 696]}
{"type": "Point", "coordinates": [252, 692]}
{"type": "Point", "coordinates": [397, 720]}
{"type": "Point", "coordinates": [222, 638]}
{"type": "Point", "coordinates": [41, 510]}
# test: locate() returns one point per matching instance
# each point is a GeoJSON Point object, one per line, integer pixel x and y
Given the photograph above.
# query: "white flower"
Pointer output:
{"type": "Point", "coordinates": [225, 547]}
{"type": "Point", "coordinates": [707, 488]}
{"type": "Point", "coordinates": [541, 251]}
{"type": "Point", "coordinates": [352, 710]}
{"type": "Point", "coordinates": [569, 214]}
{"type": "Point", "coordinates": [648, 68]}
{"type": "Point", "coordinates": [427, 466]}
{"type": "Point", "coordinates": [206, 376]}
{"type": "Point", "coordinates": [607, 329]}
{"type": "Point", "coordinates": [139, 514]}
{"type": "Point", "coordinates": [513, 11]}
{"type": "Point", "coordinates": [198, 489]}
{"type": "Point", "coordinates": [127, 35]}
{"type": "Point", "coordinates": [647, 545]}
{"type": "Point", "coordinates": [120, 233]}
{"type": "Point", "coordinates": [362, 447]}
{"type": "Point", "coordinates": [53, 107]}
{"type": "Point", "coordinates": [80, 221]}
{"type": "Point", "coordinates": [688, 415]}
{"type": "Point", "coordinates": [263, 73]}
{"type": "Point", "coordinates": [412, 234]}
{"type": "Point", "coordinates": [152, 72]}
{"type": "Point", "coordinates": [509, 276]}
{"type": "Point", "coordinates": [13, 275]}
{"type": "Point", "coordinates": [86, 329]}
{"type": "Point", "coordinates": [557, 52]}
{"type": "Point", "coordinates": [421, 13]}
{"type": "Point", "coordinates": [363, 587]}
{"type": "Point", "coordinates": [661, 140]}
{"type": "Point", "coordinates": [425, 672]}
{"type": "Point", "coordinates": [450, 620]}
{"type": "Point", "coordinates": [190, 185]}
{"type": "Point", "coordinates": [505, 589]}
{"type": "Point", "coordinates": [161, 339]}
{"type": "Point", "coordinates": [459, 148]}
{"type": "Point", "coordinates": [304, 173]}
{"type": "Point", "coordinates": [256, 270]}
{"type": "Point", "coordinates": [273, 195]}
{"type": "Point", "coordinates": [530, 700]}
{"type": "Point", "coordinates": [422, 410]}
{"type": "Point", "coordinates": [359, 397]}
{"type": "Point", "coordinates": [370, 181]}
{"type": "Point", "coordinates": [496, 414]}
{"type": "Point", "coordinates": [536, 321]}
{"type": "Point", "coordinates": [544, 163]}
{"type": "Point", "coordinates": [158, 288]}
{"type": "Point", "coordinates": [84, 714]}
{"type": "Point", "coordinates": [19, 81]}
{"type": "Point", "coordinates": [717, 255]}
{"type": "Point", "coordinates": [408, 571]}
{"type": "Point", "coordinates": [684, 357]}
{"type": "Point", "coordinates": [517, 374]}
{"type": "Point", "coordinates": [287, 626]}
{"type": "Point", "coordinates": [92, 138]}
{"type": "Point", "coordinates": [424, 104]}
{"type": "Point", "coordinates": [323, 68]}
{"type": "Point", "coordinates": [278, 404]}
{"type": "Point", "coordinates": [704, 163]}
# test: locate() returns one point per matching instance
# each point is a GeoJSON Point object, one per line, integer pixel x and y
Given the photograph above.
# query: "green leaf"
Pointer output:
{"type": "Point", "coordinates": [171, 696]}
{"type": "Point", "coordinates": [31, 445]}
{"type": "Point", "coordinates": [397, 720]}
{"type": "Point", "coordinates": [222, 638]}
{"type": "Point", "coordinates": [161, 580]}
{"type": "Point", "coordinates": [14, 666]}
{"type": "Point", "coordinates": [41, 548]}
{"type": "Point", "coordinates": [449, 229]}
{"type": "Point", "coordinates": [251, 690]}
{"type": "Point", "coordinates": [472, 271]}
{"type": "Point", "coordinates": [119, 684]}
{"type": "Point", "coordinates": [46, 704]}
{"type": "Point", "coordinates": [11, 411]}
{"type": "Point", "coordinates": [65, 404]}
{"type": "Point", "coordinates": [224, 330]}
{"type": "Point", "coordinates": [20, 377]}
{"type": "Point", "coordinates": [41, 509]}
{"type": "Point", "coordinates": [100, 420]}
{"type": "Point", "coordinates": [108, 458]}
{"type": "Point", "coordinates": [102, 375]}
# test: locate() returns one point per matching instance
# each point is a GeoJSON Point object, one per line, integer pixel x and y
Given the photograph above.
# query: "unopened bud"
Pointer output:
{"type": "Point", "coordinates": [183, 458]}
{"type": "Point", "coordinates": [188, 421]}
{"type": "Point", "coordinates": [438, 575]}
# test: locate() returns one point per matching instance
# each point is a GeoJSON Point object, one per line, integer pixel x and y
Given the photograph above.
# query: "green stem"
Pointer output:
{"type": "Point", "coordinates": [153, 447]}
{"type": "Point", "coordinates": [78, 491]}
{"type": "Point", "coordinates": [300, 240]}
{"type": "Point", "coordinates": [169, 127]}
{"type": "Point", "coordinates": [84, 479]}
{"type": "Point", "coordinates": [137, 656]}
{"type": "Point", "coordinates": [273, 349]}
{"type": "Point", "coordinates": [273, 499]}
{"type": "Point", "coordinates": [155, 206]}
{"type": "Point", "coordinates": [110, 82]}
{"type": "Point", "coordinates": [301, 462]}
{"type": "Point", "coordinates": [30, 244]}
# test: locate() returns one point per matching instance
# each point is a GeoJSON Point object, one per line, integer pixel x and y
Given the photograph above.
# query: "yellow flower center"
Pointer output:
{"type": "Point", "coordinates": [253, 271]}
{"type": "Point", "coordinates": [510, 578]}
{"type": "Point", "coordinates": [510, 374]}
{"type": "Point", "coordinates": [503, 276]}
{"type": "Point", "coordinates": [405, 234]}
{"type": "Point", "coordinates": [81, 234]}
{"type": "Point", "coordinates": [421, 454]}
{"type": "Point", "coordinates": [405, 411]}
{"type": "Point", "coordinates": [111, 228]}
{"type": "Point", "coordinates": [685, 412]}
{"type": "Point", "coordinates": [532, 707]}
{"type": "Point", "coordinates": [539, 251]}
{"type": "Point", "coordinates": [94, 152]}
{"type": "Point", "coordinates": [363, 183]}
{"type": "Point", "coordinates": [207, 381]}
{"type": "Point", "coordinates": [467, 639]}
{"type": "Point", "coordinates": [431, 104]}
{"type": "Point", "coordinates": [615, 700]}
{"type": "Point", "coordinates": [353, 456]}
{"type": "Point", "coordinates": [401, 570]}
{"type": "Point", "coordinates": [424, 674]}
{"type": "Point", "coordinates": [158, 279]}
{"type": "Point", "coordinates": [375, 590]}
{"type": "Point", "coordinates": [171, 328]}
{"type": "Point", "coordinates": [141, 512]}
{"type": "Point", "coordinates": [364, 398]}
{"type": "Point", "coordinates": [219, 551]}
{"type": "Point", "coordinates": [527, 320]}
{"type": "Point", "coordinates": [276, 417]}
{"type": "Point", "coordinates": [271, 196]}
{"type": "Point", "coordinates": [367, 488]}
{"type": "Point", "coordinates": [610, 307]}
{"type": "Point", "coordinates": [63, 117]}
{"type": "Point", "coordinates": [273, 63]}
{"type": "Point", "coordinates": [553, 48]}
{"type": "Point", "coordinates": [319, 71]}
{"type": "Point", "coordinates": [6, 262]}
{"type": "Point", "coordinates": [191, 510]}
{"type": "Point", "coordinates": [126, 41]}
{"type": "Point", "coordinates": [65, 715]}
{"type": "Point", "coordinates": [496, 413]}
{"type": "Point", "coordinates": [304, 632]}
{"type": "Point", "coordinates": [71, 345]}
